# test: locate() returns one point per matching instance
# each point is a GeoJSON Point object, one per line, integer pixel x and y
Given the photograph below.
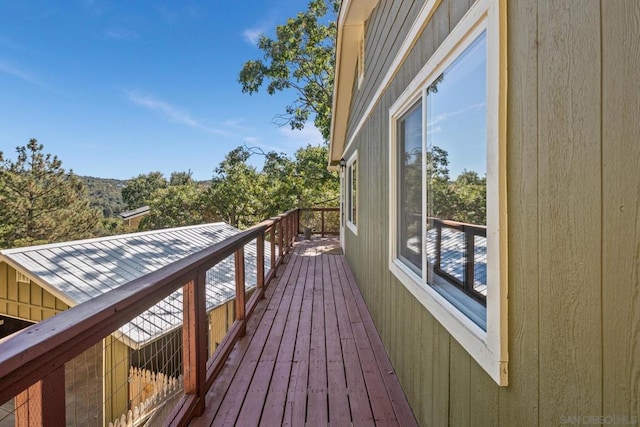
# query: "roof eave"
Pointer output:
{"type": "Point", "coordinates": [351, 20]}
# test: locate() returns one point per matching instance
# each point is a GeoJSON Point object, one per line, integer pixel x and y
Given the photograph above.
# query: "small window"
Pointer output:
{"type": "Point", "coordinates": [22, 278]}
{"type": "Point", "coordinates": [352, 193]}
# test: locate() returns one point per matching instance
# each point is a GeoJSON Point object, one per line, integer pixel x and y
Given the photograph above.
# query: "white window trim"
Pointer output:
{"type": "Point", "coordinates": [361, 63]}
{"type": "Point", "coordinates": [349, 200]}
{"type": "Point", "coordinates": [488, 348]}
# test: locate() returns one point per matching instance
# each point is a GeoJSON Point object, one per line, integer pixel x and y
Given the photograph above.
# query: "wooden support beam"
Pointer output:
{"type": "Point", "coordinates": [194, 336]}
{"type": "Point", "coordinates": [260, 261]}
{"type": "Point", "coordinates": [240, 292]}
{"type": "Point", "coordinates": [40, 404]}
{"type": "Point", "coordinates": [272, 239]}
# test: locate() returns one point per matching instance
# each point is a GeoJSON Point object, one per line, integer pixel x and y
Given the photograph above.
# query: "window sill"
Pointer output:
{"type": "Point", "coordinates": [470, 336]}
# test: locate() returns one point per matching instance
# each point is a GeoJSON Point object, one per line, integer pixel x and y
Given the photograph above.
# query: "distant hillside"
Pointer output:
{"type": "Point", "coordinates": [105, 193]}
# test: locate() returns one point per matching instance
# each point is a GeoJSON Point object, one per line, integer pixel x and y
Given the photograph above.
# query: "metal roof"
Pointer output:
{"type": "Point", "coordinates": [78, 271]}
{"type": "Point", "coordinates": [135, 212]}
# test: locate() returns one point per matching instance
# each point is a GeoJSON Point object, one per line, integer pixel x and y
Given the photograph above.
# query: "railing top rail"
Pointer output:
{"type": "Point", "coordinates": [32, 353]}
{"type": "Point", "coordinates": [333, 209]}
{"type": "Point", "coordinates": [457, 224]}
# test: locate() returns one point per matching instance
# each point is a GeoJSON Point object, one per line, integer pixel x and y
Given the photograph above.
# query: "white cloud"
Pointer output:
{"type": "Point", "coordinates": [171, 113]}
{"type": "Point", "coordinates": [14, 71]}
{"type": "Point", "coordinates": [251, 139]}
{"type": "Point", "coordinates": [120, 34]}
{"type": "Point", "coordinates": [252, 35]}
{"type": "Point", "coordinates": [300, 138]}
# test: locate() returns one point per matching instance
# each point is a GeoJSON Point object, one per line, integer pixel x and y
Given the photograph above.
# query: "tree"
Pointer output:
{"type": "Point", "coordinates": [138, 190]}
{"type": "Point", "coordinates": [175, 206]}
{"type": "Point", "coordinates": [236, 193]}
{"type": "Point", "coordinates": [40, 202]}
{"type": "Point", "coordinates": [301, 57]}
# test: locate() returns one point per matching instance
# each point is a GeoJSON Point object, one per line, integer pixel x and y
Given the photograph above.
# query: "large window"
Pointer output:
{"type": "Point", "coordinates": [445, 203]}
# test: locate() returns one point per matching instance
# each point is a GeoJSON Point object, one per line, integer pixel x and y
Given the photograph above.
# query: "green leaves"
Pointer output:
{"type": "Point", "coordinates": [40, 202]}
{"type": "Point", "coordinates": [301, 57]}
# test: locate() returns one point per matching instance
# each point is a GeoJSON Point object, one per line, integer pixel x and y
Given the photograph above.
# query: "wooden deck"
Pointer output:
{"type": "Point", "coordinates": [311, 354]}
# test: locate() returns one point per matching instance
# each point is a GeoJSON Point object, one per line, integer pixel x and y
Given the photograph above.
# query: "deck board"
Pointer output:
{"type": "Point", "coordinates": [311, 355]}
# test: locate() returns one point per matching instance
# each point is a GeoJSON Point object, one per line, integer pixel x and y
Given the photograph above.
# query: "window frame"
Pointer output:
{"type": "Point", "coordinates": [489, 348]}
{"type": "Point", "coordinates": [352, 198]}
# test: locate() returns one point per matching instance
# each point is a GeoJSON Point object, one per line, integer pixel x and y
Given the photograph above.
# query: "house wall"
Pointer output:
{"type": "Point", "coordinates": [573, 212]}
{"type": "Point", "coordinates": [26, 301]}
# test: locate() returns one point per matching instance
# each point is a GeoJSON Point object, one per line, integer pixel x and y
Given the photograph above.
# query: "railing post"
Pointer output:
{"type": "Point", "coordinates": [43, 403]}
{"type": "Point", "coordinates": [272, 239]}
{"type": "Point", "coordinates": [280, 248]}
{"type": "Point", "coordinates": [240, 292]}
{"type": "Point", "coordinates": [322, 223]}
{"type": "Point", "coordinates": [438, 244]}
{"type": "Point", "coordinates": [285, 233]}
{"type": "Point", "coordinates": [469, 267]}
{"type": "Point", "coordinates": [194, 339]}
{"type": "Point", "coordinates": [260, 260]}
{"type": "Point", "coordinates": [297, 222]}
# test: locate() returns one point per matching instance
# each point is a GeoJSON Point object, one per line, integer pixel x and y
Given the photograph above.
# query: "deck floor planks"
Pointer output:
{"type": "Point", "coordinates": [217, 395]}
{"type": "Point", "coordinates": [317, 410]}
{"type": "Point", "coordinates": [358, 398]}
{"type": "Point", "coordinates": [312, 355]}
{"type": "Point", "coordinates": [380, 403]}
{"type": "Point", "coordinates": [296, 405]}
{"type": "Point", "coordinates": [277, 394]}
{"type": "Point", "coordinates": [339, 412]}
{"type": "Point", "coordinates": [399, 401]}
{"type": "Point", "coordinates": [251, 411]}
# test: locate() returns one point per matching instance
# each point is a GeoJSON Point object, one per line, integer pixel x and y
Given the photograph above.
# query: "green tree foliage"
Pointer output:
{"type": "Point", "coordinates": [236, 194]}
{"type": "Point", "coordinates": [301, 57]}
{"type": "Point", "coordinates": [463, 199]}
{"type": "Point", "coordinates": [105, 194]}
{"type": "Point", "coordinates": [175, 206]}
{"type": "Point", "coordinates": [138, 190]}
{"type": "Point", "coordinates": [40, 202]}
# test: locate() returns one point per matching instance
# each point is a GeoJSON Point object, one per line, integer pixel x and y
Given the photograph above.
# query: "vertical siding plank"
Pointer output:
{"type": "Point", "coordinates": [440, 392]}
{"type": "Point", "coordinates": [519, 402]}
{"type": "Point", "coordinates": [12, 293]}
{"type": "Point", "coordinates": [459, 385]}
{"type": "Point", "coordinates": [569, 209]}
{"type": "Point", "coordinates": [4, 279]}
{"type": "Point", "coordinates": [621, 208]}
{"type": "Point", "coordinates": [457, 9]}
{"type": "Point", "coordinates": [424, 409]}
{"type": "Point", "coordinates": [484, 398]}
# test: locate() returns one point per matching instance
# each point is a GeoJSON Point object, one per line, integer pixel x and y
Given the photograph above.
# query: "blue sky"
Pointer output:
{"type": "Point", "coordinates": [119, 88]}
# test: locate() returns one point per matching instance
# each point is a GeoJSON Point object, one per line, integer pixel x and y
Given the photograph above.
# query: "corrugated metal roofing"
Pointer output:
{"type": "Point", "coordinates": [80, 270]}
{"type": "Point", "coordinates": [135, 212]}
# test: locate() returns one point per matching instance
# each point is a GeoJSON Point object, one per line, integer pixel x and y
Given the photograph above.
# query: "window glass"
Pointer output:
{"type": "Point", "coordinates": [456, 173]}
{"type": "Point", "coordinates": [410, 187]}
{"type": "Point", "coordinates": [354, 192]}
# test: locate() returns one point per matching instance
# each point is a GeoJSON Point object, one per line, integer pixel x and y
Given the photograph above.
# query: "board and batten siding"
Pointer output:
{"type": "Point", "coordinates": [26, 301]}
{"type": "Point", "coordinates": [573, 177]}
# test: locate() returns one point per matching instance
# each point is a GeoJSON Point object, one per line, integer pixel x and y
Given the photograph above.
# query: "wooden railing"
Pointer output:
{"type": "Point", "coordinates": [32, 361]}
{"type": "Point", "coordinates": [322, 221]}
{"type": "Point", "coordinates": [470, 231]}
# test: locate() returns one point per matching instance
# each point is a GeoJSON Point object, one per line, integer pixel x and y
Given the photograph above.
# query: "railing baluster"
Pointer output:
{"type": "Point", "coordinates": [240, 292]}
{"type": "Point", "coordinates": [322, 222]}
{"type": "Point", "coordinates": [43, 403]}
